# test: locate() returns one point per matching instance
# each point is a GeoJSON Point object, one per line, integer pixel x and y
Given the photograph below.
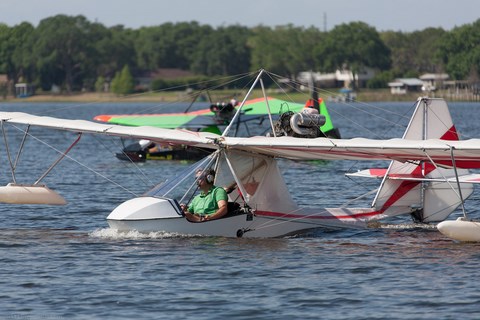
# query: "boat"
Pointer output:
{"type": "Point", "coordinates": [427, 179]}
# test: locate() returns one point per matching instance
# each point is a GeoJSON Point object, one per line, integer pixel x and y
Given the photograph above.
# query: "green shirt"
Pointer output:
{"type": "Point", "coordinates": [208, 203]}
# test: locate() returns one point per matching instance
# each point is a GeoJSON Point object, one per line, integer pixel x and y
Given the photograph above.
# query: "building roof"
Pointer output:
{"type": "Point", "coordinates": [339, 75]}
{"type": "Point", "coordinates": [396, 84]}
{"type": "Point", "coordinates": [410, 82]}
{"type": "Point", "coordinates": [434, 76]}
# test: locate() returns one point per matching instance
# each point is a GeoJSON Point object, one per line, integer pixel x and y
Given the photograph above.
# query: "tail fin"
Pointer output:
{"type": "Point", "coordinates": [427, 201]}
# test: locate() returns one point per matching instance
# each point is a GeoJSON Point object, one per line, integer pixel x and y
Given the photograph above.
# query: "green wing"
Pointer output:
{"type": "Point", "coordinates": [205, 118]}
{"type": "Point", "coordinates": [163, 120]}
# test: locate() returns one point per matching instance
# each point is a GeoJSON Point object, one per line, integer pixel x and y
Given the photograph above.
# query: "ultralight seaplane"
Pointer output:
{"type": "Point", "coordinates": [212, 119]}
{"type": "Point", "coordinates": [427, 178]}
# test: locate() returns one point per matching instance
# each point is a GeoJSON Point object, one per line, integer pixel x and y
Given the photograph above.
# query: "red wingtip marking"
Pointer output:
{"type": "Point", "coordinates": [103, 118]}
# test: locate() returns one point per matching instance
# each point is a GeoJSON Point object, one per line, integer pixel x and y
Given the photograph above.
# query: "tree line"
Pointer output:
{"type": "Point", "coordinates": [77, 54]}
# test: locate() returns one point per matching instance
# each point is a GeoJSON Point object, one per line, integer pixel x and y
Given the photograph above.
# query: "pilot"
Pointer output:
{"type": "Point", "coordinates": [212, 201]}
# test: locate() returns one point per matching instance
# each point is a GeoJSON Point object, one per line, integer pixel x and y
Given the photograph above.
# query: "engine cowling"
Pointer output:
{"type": "Point", "coordinates": [301, 125]}
{"type": "Point", "coordinates": [307, 124]}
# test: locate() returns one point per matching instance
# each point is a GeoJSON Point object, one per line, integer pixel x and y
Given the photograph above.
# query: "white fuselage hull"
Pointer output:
{"type": "Point", "coordinates": [236, 226]}
{"type": "Point", "coordinates": [147, 214]}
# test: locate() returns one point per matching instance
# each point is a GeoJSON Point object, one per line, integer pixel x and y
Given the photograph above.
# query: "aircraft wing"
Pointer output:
{"type": "Point", "coordinates": [252, 109]}
{"type": "Point", "coordinates": [194, 119]}
{"type": "Point", "coordinates": [177, 136]}
{"type": "Point", "coordinates": [200, 118]}
{"type": "Point", "coordinates": [466, 152]}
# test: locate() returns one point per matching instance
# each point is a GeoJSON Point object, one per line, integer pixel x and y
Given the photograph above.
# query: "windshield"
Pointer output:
{"type": "Point", "coordinates": [182, 187]}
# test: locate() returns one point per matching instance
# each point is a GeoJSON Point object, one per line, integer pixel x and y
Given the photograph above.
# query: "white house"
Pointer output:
{"type": "Point", "coordinates": [404, 85]}
{"type": "Point", "coordinates": [433, 81]}
{"type": "Point", "coordinates": [339, 78]}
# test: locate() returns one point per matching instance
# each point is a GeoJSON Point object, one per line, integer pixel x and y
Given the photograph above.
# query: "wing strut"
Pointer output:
{"type": "Point", "coordinates": [268, 108]}
{"type": "Point", "coordinates": [13, 166]}
{"type": "Point", "coordinates": [458, 183]}
{"type": "Point", "coordinates": [59, 159]}
{"type": "Point", "coordinates": [237, 114]}
{"type": "Point", "coordinates": [35, 193]}
{"type": "Point", "coordinates": [457, 179]}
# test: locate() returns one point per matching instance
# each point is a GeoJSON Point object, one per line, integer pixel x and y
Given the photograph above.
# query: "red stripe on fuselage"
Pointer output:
{"type": "Point", "coordinates": [297, 216]}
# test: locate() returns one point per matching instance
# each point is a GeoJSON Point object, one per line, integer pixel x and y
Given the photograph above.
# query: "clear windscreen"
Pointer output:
{"type": "Point", "coordinates": [183, 186]}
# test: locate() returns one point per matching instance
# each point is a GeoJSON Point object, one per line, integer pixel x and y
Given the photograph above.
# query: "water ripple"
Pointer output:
{"type": "Point", "coordinates": [65, 263]}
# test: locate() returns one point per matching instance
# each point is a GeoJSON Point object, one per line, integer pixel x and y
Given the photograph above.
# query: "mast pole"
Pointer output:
{"type": "Point", "coordinates": [237, 114]}
{"type": "Point", "coordinates": [268, 108]}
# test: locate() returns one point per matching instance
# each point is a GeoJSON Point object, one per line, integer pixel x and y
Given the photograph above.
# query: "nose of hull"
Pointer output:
{"type": "Point", "coordinates": [146, 208]}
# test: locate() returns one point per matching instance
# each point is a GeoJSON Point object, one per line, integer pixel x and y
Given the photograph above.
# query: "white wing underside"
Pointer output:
{"type": "Point", "coordinates": [177, 136]}
{"type": "Point", "coordinates": [466, 151]}
{"type": "Point", "coordinates": [359, 148]}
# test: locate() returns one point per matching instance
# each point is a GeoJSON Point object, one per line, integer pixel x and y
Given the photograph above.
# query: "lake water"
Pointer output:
{"type": "Point", "coordinates": [65, 263]}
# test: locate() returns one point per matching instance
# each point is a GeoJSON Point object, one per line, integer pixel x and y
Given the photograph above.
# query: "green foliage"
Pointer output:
{"type": "Point", "coordinates": [168, 45]}
{"type": "Point", "coordinates": [381, 80]}
{"type": "Point", "coordinates": [460, 51]}
{"type": "Point", "coordinates": [65, 51]}
{"type": "Point", "coordinates": [284, 50]}
{"type": "Point", "coordinates": [75, 54]}
{"type": "Point", "coordinates": [114, 48]}
{"type": "Point", "coordinates": [16, 59]}
{"type": "Point", "coordinates": [414, 51]}
{"type": "Point", "coordinates": [3, 91]}
{"type": "Point", "coordinates": [127, 82]}
{"type": "Point", "coordinates": [222, 52]}
{"type": "Point", "coordinates": [115, 84]}
{"type": "Point", "coordinates": [354, 45]}
{"type": "Point", "coordinates": [411, 74]}
{"type": "Point", "coordinates": [195, 82]}
{"type": "Point", "coordinates": [123, 82]}
{"type": "Point", "coordinates": [100, 84]}
{"type": "Point", "coordinates": [5, 49]}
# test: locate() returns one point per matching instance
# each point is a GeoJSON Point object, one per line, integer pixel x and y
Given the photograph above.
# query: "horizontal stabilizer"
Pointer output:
{"type": "Point", "coordinates": [30, 194]}
{"type": "Point", "coordinates": [468, 178]}
{"type": "Point", "coordinates": [368, 173]}
{"type": "Point", "coordinates": [380, 173]}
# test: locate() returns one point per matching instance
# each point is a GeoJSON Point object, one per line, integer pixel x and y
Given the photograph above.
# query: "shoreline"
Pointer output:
{"type": "Point", "coordinates": [379, 95]}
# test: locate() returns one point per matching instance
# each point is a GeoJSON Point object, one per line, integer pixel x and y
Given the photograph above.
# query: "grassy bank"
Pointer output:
{"type": "Point", "coordinates": [364, 95]}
